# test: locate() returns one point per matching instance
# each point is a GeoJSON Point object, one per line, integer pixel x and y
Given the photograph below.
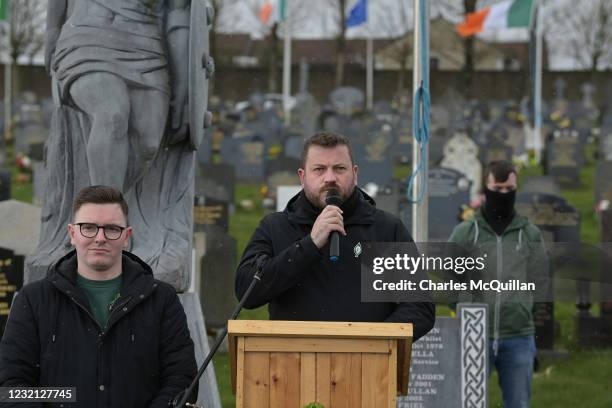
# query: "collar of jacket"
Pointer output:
{"type": "Point", "coordinates": [518, 222]}
{"type": "Point", "coordinates": [359, 208]}
{"type": "Point", "coordinates": [137, 276]}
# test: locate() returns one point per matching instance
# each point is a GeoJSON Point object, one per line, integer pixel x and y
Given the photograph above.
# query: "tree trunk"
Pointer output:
{"type": "Point", "coordinates": [469, 6]}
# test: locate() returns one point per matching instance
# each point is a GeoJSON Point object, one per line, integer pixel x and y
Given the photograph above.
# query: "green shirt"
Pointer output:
{"type": "Point", "coordinates": [101, 295]}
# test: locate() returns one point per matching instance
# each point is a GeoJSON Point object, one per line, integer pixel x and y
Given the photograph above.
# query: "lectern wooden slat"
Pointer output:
{"type": "Point", "coordinates": [288, 364]}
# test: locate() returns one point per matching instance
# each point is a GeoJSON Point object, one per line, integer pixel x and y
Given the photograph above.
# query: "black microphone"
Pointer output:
{"type": "Point", "coordinates": [333, 198]}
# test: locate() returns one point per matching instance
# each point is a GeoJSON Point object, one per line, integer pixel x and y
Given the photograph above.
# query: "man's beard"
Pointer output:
{"type": "Point", "coordinates": [318, 199]}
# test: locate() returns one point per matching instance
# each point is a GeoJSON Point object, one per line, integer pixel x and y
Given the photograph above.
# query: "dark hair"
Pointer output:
{"type": "Point", "coordinates": [327, 140]}
{"type": "Point", "coordinates": [99, 195]}
{"type": "Point", "coordinates": [500, 169]}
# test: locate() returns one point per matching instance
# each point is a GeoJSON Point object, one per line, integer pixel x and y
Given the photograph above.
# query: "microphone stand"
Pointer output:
{"type": "Point", "coordinates": [185, 393]}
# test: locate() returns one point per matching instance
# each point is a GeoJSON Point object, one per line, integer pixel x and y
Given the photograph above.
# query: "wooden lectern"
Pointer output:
{"type": "Point", "coordinates": [288, 364]}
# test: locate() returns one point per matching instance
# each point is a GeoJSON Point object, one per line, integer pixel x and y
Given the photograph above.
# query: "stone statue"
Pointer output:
{"type": "Point", "coordinates": [130, 90]}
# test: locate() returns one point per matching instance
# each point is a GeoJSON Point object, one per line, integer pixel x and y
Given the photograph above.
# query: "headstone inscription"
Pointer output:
{"type": "Point", "coordinates": [11, 280]}
{"type": "Point", "coordinates": [449, 365]}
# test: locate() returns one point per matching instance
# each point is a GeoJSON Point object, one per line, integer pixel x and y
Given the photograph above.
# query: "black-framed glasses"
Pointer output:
{"type": "Point", "coordinates": [111, 231]}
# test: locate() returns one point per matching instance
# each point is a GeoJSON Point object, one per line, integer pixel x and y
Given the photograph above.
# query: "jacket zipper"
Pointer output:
{"type": "Point", "coordinates": [115, 307]}
{"type": "Point", "coordinates": [497, 312]}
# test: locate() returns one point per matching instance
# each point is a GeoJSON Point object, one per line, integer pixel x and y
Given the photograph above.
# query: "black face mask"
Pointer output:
{"type": "Point", "coordinates": [499, 206]}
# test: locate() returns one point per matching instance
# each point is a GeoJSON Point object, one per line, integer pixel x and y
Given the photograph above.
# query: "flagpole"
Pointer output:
{"type": "Point", "coordinates": [420, 210]}
{"type": "Point", "coordinates": [537, 123]}
{"type": "Point", "coordinates": [8, 81]}
{"type": "Point", "coordinates": [287, 67]}
{"type": "Point", "coordinates": [369, 72]}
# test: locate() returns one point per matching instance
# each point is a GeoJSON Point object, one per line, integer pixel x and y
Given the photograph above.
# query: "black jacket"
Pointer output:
{"type": "Point", "coordinates": [143, 358]}
{"type": "Point", "coordinates": [301, 283]}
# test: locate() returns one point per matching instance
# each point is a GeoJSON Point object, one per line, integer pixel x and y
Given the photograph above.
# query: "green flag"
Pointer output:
{"type": "Point", "coordinates": [4, 10]}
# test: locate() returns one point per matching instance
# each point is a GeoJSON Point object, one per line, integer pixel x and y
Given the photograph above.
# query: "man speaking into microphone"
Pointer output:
{"type": "Point", "coordinates": [312, 248]}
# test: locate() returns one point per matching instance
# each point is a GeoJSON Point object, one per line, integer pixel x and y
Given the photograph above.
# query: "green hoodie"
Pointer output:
{"type": "Point", "coordinates": [518, 254]}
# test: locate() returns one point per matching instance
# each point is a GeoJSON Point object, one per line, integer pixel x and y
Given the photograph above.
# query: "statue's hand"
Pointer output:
{"type": "Point", "coordinates": [179, 125]}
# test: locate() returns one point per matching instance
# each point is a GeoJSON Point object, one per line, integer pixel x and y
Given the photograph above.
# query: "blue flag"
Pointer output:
{"type": "Point", "coordinates": [358, 14]}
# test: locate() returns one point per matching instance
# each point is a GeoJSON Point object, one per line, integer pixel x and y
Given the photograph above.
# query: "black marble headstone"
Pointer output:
{"type": "Point", "coordinates": [217, 280]}
{"type": "Point", "coordinates": [5, 184]}
{"type": "Point", "coordinates": [11, 280]}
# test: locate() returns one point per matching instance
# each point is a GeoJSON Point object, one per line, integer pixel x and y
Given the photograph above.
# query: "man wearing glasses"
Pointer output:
{"type": "Point", "coordinates": [99, 321]}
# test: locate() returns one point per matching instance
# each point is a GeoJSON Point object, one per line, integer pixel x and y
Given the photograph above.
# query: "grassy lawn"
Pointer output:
{"type": "Point", "coordinates": [581, 380]}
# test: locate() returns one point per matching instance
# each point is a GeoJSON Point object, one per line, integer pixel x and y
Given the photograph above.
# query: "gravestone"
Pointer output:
{"type": "Point", "coordinates": [217, 278]}
{"type": "Point", "coordinates": [496, 147]}
{"type": "Point", "coordinates": [461, 154]}
{"type": "Point", "coordinates": [605, 143]}
{"type": "Point", "coordinates": [559, 222]}
{"type": "Point", "coordinates": [373, 158]}
{"type": "Point", "coordinates": [388, 198]}
{"type": "Point", "coordinates": [603, 182]}
{"type": "Point", "coordinates": [20, 226]}
{"type": "Point", "coordinates": [564, 156]}
{"type": "Point", "coordinates": [210, 213]}
{"type": "Point", "coordinates": [5, 184]}
{"type": "Point", "coordinates": [449, 365]}
{"type": "Point", "coordinates": [305, 113]}
{"type": "Point", "coordinates": [347, 100]}
{"type": "Point", "coordinates": [215, 180]}
{"type": "Point", "coordinates": [11, 280]}
{"type": "Point", "coordinates": [541, 185]}
{"type": "Point", "coordinates": [448, 190]}
{"type": "Point", "coordinates": [281, 171]}
{"type": "Point", "coordinates": [293, 147]}
{"type": "Point", "coordinates": [247, 156]}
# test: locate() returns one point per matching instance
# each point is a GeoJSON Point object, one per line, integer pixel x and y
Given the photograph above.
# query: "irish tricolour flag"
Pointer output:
{"type": "Point", "coordinates": [273, 11]}
{"type": "Point", "coordinates": [505, 14]}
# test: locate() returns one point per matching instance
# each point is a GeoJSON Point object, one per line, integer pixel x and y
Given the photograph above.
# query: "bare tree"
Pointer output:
{"type": "Point", "coordinates": [339, 10]}
{"type": "Point", "coordinates": [24, 36]}
{"type": "Point", "coordinates": [295, 15]}
{"type": "Point", "coordinates": [583, 28]}
{"type": "Point", "coordinates": [394, 20]}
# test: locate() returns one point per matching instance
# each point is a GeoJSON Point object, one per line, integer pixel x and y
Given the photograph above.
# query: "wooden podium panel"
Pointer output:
{"type": "Point", "coordinates": [289, 364]}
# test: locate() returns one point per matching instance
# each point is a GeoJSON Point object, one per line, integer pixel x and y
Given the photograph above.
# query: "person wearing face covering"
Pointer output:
{"type": "Point", "coordinates": [514, 250]}
{"type": "Point", "coordinates": [300, 281]}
